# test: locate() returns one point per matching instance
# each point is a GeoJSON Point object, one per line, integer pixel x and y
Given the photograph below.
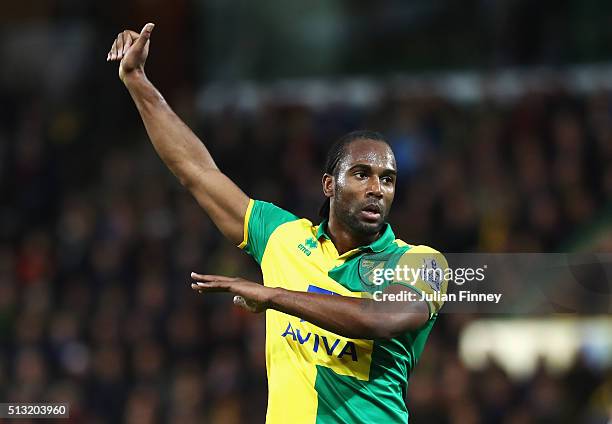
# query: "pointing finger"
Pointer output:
{"type": "Point", "coordinates": [202, 277]}
{"type": "Point", "coordinates": [207, 277]}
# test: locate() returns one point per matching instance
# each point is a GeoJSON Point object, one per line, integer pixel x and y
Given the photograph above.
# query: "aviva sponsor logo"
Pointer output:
{"type": "Point", "coordinates": [327, 345]}
{"type": "Point", "coordinates": [321, 344]}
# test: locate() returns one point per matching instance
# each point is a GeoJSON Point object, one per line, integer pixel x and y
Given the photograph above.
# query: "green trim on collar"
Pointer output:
{"type": "Point", "coordinates": [321, 230]}
{"type": "Point", "coordinates": [378, 245]}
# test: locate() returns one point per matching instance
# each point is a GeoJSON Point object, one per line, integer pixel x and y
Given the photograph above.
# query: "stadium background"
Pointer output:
{"type": "Point", "coordinates": [97, 238]}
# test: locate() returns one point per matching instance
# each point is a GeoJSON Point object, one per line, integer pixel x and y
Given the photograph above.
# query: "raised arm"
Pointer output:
{"type": "Point", "coordinates": [180, 149]}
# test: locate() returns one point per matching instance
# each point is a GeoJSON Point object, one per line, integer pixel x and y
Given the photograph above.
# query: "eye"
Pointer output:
{"type": "Point", "coordinates": [387, 180]}
{"type": "Point", "coordinates": [360, 175]}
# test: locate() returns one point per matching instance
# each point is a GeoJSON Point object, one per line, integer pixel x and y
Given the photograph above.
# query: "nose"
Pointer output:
{"type": "Point", "coordinates": [374, 187]}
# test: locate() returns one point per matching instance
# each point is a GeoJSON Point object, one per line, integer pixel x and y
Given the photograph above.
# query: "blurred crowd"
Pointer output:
{"type": "Point", "coordinates": [97, 239]}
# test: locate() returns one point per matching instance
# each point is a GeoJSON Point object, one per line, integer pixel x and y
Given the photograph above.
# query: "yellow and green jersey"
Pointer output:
{"type": "Point", "coordinates": [314, 375]}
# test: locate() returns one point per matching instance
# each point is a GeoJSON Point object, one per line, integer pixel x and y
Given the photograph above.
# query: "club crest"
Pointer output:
{"type": "Point", "coordinates": [371, 269]}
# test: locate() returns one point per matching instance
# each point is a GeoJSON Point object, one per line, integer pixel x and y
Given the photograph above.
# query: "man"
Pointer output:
{"type": "Point", "coordinates": [334, 351]}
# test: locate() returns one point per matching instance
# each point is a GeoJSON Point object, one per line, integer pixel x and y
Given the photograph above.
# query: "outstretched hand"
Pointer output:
{"type": "Point", "coordinates": [132, 49]}
{"type": "Point", "coordinates": [248, 295]}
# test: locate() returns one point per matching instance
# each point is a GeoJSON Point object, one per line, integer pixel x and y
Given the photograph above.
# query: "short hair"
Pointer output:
{"type": "Point", "coordinates": [338, 150]}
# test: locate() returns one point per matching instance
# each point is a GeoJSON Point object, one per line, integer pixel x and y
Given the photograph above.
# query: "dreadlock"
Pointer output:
{"type": "Point", "coordinates": [337, 152]}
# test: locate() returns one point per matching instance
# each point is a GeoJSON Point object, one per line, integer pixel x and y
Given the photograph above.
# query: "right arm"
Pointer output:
{"type": "Point", "coordinates": [180, 149]}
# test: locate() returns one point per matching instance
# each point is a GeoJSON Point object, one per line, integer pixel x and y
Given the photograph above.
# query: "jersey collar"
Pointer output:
{"type": "Point", "coordinates": [378, 245]}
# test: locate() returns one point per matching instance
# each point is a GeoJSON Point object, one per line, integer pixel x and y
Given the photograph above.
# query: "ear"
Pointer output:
{"type": "Point", "coordinates": [328, 185]}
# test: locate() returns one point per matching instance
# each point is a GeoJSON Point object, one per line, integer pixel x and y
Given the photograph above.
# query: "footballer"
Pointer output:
{"type": "Point", "coordinates": [333, 353]}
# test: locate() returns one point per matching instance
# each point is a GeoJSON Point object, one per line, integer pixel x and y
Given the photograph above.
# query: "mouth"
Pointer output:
{"type": "Point", "coordinates": [371, 212]}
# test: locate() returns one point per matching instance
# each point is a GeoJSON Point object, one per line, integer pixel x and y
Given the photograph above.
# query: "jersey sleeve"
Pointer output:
{"type": "Point", "coordinates": [260, 221]}
{"type": "Point", "coordinates": [430, 268]}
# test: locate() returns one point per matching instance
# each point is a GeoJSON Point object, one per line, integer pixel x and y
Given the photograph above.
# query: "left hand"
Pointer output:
{"type": "Point", "coordinates": [249, 295]}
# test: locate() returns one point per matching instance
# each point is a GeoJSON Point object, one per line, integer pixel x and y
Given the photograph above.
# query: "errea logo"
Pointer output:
{"type": "Point", "coordinates": [311, 243]}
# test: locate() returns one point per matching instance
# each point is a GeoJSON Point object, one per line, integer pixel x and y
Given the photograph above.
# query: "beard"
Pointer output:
{"type": "Point", "coordinates": [348, 214]}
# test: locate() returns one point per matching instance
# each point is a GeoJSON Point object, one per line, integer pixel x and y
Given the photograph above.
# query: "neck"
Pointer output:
{"type": "Point", "coordinates": [344, 239]}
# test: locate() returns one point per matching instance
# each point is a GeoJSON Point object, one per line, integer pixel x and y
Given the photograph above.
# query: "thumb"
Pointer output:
{"type": "Point", "coordinates": [145, 34]}
{"type": "Point", "coordinates": [241, 301]}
